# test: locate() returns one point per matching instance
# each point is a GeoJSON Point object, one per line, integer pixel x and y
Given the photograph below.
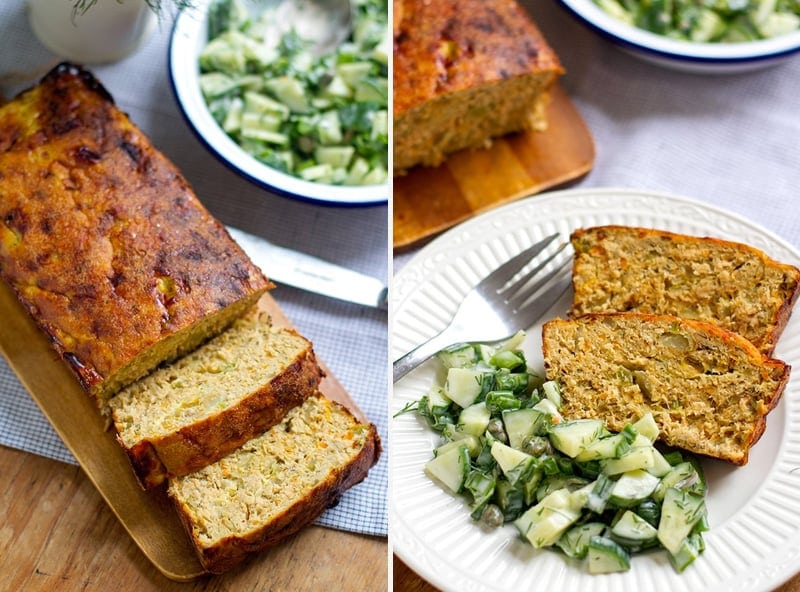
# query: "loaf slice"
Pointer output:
{"type": "Point", "coordinates": [708, 389]}
{"type": "Point", "coordinates": [190, 413]}
{"type": "Point", "coordinates": [275, 484]}
{"type": "Point", "coordinates": [103, 240]}
{"type": "Point", "coordinates": [465, 71]}
{"type": "Point", "coordinates": [620, 268]}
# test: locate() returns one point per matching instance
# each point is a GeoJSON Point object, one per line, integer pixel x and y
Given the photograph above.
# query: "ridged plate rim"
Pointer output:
{"type": "Point", "coordinates": [754, 541]}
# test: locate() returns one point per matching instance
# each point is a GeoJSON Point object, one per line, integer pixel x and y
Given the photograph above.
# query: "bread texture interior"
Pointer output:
{"type": "Point", "coordinates": [640, 270]}
{"type": "Point", "coordinates": [214, 377]}
{"type": "Point", "coordinates": [245, 491]}
{"type": "Point", "coordinates": [708, 389]}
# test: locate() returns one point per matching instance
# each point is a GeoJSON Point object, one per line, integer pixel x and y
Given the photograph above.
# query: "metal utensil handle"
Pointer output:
{"type": "Point", "coordinates": [420, 354]}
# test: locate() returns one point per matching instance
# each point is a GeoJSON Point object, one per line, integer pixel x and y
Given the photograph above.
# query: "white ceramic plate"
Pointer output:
{"type": "Point", "coordinates": [187, 41]}
{"type": "Point", "coordinates": [754, 541]}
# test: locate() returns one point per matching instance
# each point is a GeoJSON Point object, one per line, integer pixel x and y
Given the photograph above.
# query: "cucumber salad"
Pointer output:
{"type": "Point", "coordinates": [569, 485]}
{"type": "Point", "coordinates": [726, 21]}
{"type": "Point", "coordinates": [321, 118]}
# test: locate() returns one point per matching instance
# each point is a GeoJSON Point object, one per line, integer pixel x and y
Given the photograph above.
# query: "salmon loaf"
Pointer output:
{"type": "Point", "coordinates": [621, 268]}
{"type": "Point", "coordinates": [190, 413]}
{"type": "Point", "coordinates": [465, 71]}
{"type": "Point", "coordinates": [275, 484]}
{"type": "Point", "coordinates": [708, 389]}
{"type": "Point", "coordinates": [103, 240]}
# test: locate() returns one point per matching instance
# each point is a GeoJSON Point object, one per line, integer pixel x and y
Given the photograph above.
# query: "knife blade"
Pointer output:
{"type": "Point", "coordinates": [307, 272]}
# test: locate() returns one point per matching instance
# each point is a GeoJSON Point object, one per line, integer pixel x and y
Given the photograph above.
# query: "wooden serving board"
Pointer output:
{"type": "Point", "coordinates": [147, 516]}
{"type": "Point", "coordinates": [429, 200]}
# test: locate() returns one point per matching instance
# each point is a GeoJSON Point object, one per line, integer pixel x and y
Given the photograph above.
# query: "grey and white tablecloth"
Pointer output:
{"type": "Point", "coordinates": [352, 340]}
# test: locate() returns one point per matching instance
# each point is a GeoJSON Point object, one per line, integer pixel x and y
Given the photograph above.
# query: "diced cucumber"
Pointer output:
{"type": "Point", "coordinates": [338, 88]}
{"type": "Point", "coordinates": [548, 407]}
{"type": "Point", "coordinates": [552, 393]}
{"type": "Point", "coordinates": [471, 442]}
{"type": "Point", "coordinates": [336, 156]}
{"type": "Point", "coordinates": [544, 523]}
{"type": "Point", "coordinates": [289, 91]}
{"type": "Point", "coordinates": [260, 103]}
{"type": "Point", "coordinates": [575, 542]}
{"type": "Point", "coordinates": [270, 137]}
{"type": "Point", "coordinates": [375, 176]}
{"type": "Point", "coordinates": [329, 128]}
{"type": "Point", "coordinates": [521, 424]}
{"type": "Point", "coordinates": [463, 385]}
{"type": "Point", "coordinates": [612, 446]}
{"type": "Point", "coordinates": [233, 118]}
{"type": "Point", "coordinates": [598, 497]}
{"type": "Point", "coordinates": [456, 356]}
{"type": "Point", "coordinates": [689, 550]}
{"type": "Point", "coordinates": [514, 342]}
{"type": "Point", "coordinates": [606, 556]}
{"type": "Point", "coordinates": [515, 464]}
{"type": "Point", "coordinates": [647, 427]}
{"type": "Point", "coordinates": [357, 173]}
{"type": "Point", "coordinates": [638, 457]}
{"type": "Point", "coordinates": [268, 122]}
{"type": "Point", "coordinates": [320, 172]}
{"type": "Point", "coordinates": [450, 468]}
{"type": "Point", "coordinates": [680, 511]}
{"type": "Point", "coordinates": [633, 487]}
{"type": "Point", "coordinates": [681, 476]}
{"type": "Point", "coordinates": [634, 532]}
{"type": "Point", "coordinates": [474, 419]}
{"type": "Point", "coordinates": [571, 437]}
{"type": "Point", "coordinates": [216, 84]}
{"type": "Point", "coordinates": [353, 72]}
{"type": "Point", "coordinates": [661, 466]}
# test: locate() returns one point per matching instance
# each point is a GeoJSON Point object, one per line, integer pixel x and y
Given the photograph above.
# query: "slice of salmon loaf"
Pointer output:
{"type": "Point", "coordinates": [275, 484]}
{"type": "Point", "coordinates": [192, 412]}
{"type": "Point", "coordinates": [708, 389]}
{"type": "Point", "coordinates": [629, 269]}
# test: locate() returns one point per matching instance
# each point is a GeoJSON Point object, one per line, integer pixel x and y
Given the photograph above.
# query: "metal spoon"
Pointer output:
{"type": "Point", "coordinates": [324, 23]}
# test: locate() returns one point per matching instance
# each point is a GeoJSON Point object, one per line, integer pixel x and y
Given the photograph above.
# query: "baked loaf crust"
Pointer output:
{"type": "Point", "coordinates": [465, 71]}
{"type": "Point", "coordinates": [190, 413]}
{"type": "Point", "coordinates": [275, 484]}
{"type": "Point", "coordinates": [103, 240]}
{"type": "Point", "coordinates": [620, 268]}
{"type": "Point", "coordinates": [708, 389]}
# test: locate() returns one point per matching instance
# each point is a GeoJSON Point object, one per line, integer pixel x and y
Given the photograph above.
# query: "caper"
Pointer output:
{"type": "Point", "coordinates": [538, 445]}
{"type": "Point", "coordinates": [496, 429]}
{"type": "Point", "coordinates": [492, 516]}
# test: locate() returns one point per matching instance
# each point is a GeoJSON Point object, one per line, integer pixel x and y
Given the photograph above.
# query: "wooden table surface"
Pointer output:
{"type": "Point", "coordinates": [405, 580]}
{"type": "Point", "coordinates": [58, 535]}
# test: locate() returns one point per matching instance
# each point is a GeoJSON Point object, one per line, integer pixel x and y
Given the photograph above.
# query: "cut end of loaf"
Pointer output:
{"type": "Point", "coordinates": [274, 484]}
{"type": "Point", "coordinates": [708, 389]}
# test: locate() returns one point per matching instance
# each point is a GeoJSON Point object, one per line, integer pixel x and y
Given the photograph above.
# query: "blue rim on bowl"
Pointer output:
{"type": "Point", "coordinates": [684, 55]}
{"type": "Point", "coordinates": [186, 41]}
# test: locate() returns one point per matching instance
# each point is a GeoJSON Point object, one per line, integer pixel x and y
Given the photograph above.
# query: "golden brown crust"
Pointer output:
{"type": "Point", "coordinates": [622, 268]}
{"type": "Point", "coordinates": [709, 389]}
{"type": "Point", "coordinates": [203, 442]}
{"type": "Point", "coordinates": [232, 550]}
{"type": "Point", "coordinates": [104, 241]}
{"type": "Point", "coordinates": [464, 71]}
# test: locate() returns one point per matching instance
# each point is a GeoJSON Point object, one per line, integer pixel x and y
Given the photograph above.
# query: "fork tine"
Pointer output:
{"type": "Point", "coordinates": [500, 276]}
{"type": "Point", "coordinates": [533, 309]}
{"type": "Point", "coordinates": [521, 289]}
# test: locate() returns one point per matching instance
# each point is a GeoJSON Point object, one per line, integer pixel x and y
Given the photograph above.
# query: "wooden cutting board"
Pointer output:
{"type": "Point", "coordinates": [429, 200]}
{"type": "Point", "coordinates": [148, 517]}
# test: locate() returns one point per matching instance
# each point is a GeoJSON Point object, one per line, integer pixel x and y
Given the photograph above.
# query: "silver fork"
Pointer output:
{"type": "Point", "coordinates": [499, 305]}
